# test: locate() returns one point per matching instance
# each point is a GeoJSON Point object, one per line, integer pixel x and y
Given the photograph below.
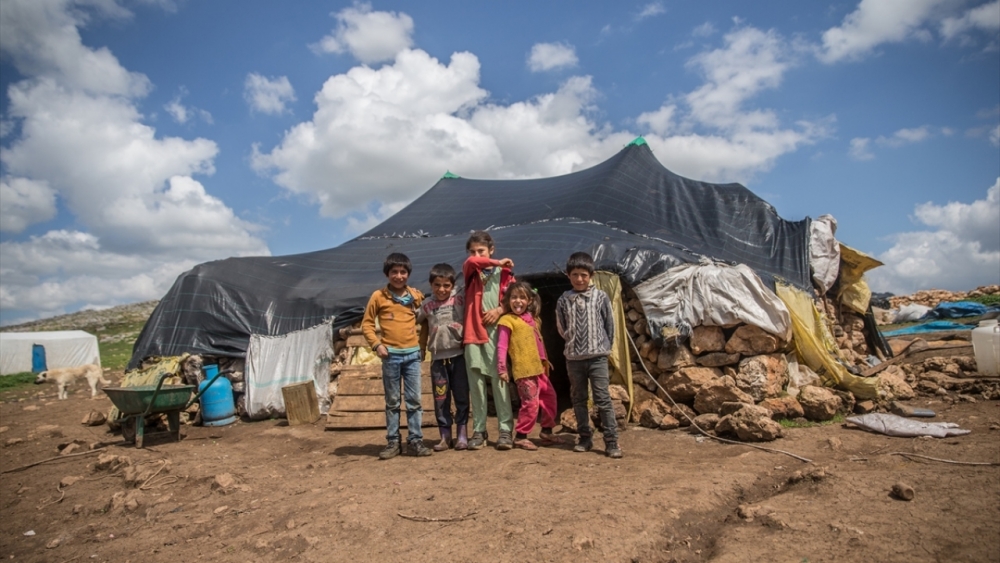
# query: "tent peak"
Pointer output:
{"type": "Point", "coordinates": [449, 176]}
{"type": "Point", "coordinates": [638, 141]}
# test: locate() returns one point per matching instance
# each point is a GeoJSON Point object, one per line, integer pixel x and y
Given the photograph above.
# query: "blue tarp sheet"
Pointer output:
{"type": "Point", "coordinates": [958, 310]}
{"type": "Point", "coordinates": [933, 326]}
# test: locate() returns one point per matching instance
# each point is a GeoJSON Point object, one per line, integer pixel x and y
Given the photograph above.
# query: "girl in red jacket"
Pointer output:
{"type": "Point", "coordinates": [486, 281]}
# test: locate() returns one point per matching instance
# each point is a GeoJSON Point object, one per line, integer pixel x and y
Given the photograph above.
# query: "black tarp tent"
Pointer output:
{"type": "Point", "coordinates": [632, 214]}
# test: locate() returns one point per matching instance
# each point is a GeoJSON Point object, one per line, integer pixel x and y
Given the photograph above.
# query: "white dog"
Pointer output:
{"type": "Point", "coordinates": [65, 376]}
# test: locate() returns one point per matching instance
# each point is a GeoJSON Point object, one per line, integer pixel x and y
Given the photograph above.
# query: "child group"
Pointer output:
{"type": "Point", "coordinates": [471, 337]}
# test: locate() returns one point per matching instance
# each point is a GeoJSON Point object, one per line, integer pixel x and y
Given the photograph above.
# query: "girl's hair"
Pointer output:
{"type": "Point", "coordinates": [479, 237]}
{"type": "Point", "coordinates": [534, 302]}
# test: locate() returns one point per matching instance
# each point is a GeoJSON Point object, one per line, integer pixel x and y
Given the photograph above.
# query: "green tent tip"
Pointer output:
{"type": "Point", "coordinates": [638, 141]}
{"type": "Point", "coordinates": [449, 176]}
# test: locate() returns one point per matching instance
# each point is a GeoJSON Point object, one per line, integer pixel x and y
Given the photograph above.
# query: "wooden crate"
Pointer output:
{"type": "Point", "coordinates": [301, 404]}
{"type": "Point", "coordinates": [360, 400]}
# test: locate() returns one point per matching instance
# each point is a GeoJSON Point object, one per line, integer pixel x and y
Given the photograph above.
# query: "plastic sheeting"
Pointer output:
{"type": "Point", "coordinates": [635, 217]}
{"type": "Point", "coordinates": [620, 362]}
{"type": "Point", "coordinates": [959, 310]}
{"type": "Point", "coordinates": [817, 348]}
{"type": "Point", "coordinates": [934, 326]}
{"type": "Point", "coordinates": [63, 349]}
{"type": "Point", "coordinates": [710, 294]}
{"type": "Point", "coordinates": [824, 252]}
{"type": "Point", "coordinates": [274, 362]}
{"type": "Point", "coordinates": [854, 291]}
{"type": "Point", "coordinates": [910, 313]}
{"type": "Point", "coordinates": [894, 425]}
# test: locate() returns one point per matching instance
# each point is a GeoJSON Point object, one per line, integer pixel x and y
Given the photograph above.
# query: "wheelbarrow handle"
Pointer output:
{"type": "Point", "coordinates": [205, 388]}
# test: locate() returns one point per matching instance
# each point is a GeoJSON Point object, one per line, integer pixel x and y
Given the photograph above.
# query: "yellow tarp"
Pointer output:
{"type": "Point", "coordinates": [854, 290]}
{"type": "Point", "coordinates": [619, 362]}
{"type": "Point", "coordinates": [817, 348]}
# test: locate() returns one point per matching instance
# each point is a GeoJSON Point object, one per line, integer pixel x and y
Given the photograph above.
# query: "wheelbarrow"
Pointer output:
{"type": "Point", "coordinates": [136, 403]}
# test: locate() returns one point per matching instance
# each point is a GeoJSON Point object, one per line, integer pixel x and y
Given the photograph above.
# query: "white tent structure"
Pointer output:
{"type": "Point", "coordinates": [65, 348]}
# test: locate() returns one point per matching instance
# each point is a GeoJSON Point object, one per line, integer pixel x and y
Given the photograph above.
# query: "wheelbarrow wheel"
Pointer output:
{"type": "Point", "coordinates": [128, 429]}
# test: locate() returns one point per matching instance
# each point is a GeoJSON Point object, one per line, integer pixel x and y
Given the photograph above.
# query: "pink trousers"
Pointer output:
{"type": "Point", "coordinates": [536, 394]}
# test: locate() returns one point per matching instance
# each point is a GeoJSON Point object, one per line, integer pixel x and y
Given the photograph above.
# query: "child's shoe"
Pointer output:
{"type": "Point", "coordinates": [612, 450]}
{"type": "Point", "coordinates": [584, 444]}
{"type": "Point", "coordinates": [525, 444]}
{"type": "Point", "coordinates": [418, 449]}
{"type": "Point", "coordinates": [445, 442]}
{"type": "Point", "coordinates": [463, 440]}
{"type": "Point", "coordinates": [504, 442]}
{"type": "Point", "coordinates": [392, 449]}
{"type": "Point", "coordinates": [478, 440]}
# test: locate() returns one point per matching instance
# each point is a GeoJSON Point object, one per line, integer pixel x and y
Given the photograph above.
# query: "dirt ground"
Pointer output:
{"type": "Point", "coordinates": [306, 494]}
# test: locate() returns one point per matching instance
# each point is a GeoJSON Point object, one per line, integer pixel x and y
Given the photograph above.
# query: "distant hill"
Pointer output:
{"type": "Point", "coordinates": [90, 321]}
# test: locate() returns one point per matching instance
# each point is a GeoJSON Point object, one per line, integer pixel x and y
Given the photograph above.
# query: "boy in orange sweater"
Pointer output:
{"type": "Point", "coordinates": [395, 306]}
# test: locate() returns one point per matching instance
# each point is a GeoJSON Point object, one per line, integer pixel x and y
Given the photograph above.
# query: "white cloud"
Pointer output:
{"type": "Point", "coordinates": [650, 10]}
{"type": "Point", "coordinates": [433, 116]}
{"type": "Point", "coordinates": [369, 36]}
{"type": "Point", "coordinates": [905, 137]}
{"type": "Point", "coordinates": [268, 95]}
{"type": "Point", "coordinates": [995, 136]}
{"type": "Point", "coordinates": [181, 113]}
{"type": "Point", "coordinates": [961, 253]}
{"type": "Point", "coordinates": [875, 22]}
{"type": "Point", "coordinates": [142, 217]}
{"type": "Point", "coordinates": [985, 17]}
{"type": "Point", "coordinates": [859, 149]}
{"type": "Point", "coordinates": [24, 202]}
{"type": "Point", "coordinates": [704, 30]}
{"type": "Point", "coordinates": [549, 56]}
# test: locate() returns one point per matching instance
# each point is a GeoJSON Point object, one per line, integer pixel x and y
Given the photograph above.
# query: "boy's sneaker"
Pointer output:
{"type": "Point", "coordinates": [584, 444]}
{"type": "Point", "coordinates": [505, 442]}
{"type": "Point", "coordinates": [391, 450]}
{"type": "Point", "coordinates": [612, 450]}
{"type": "Point", "coordinates": [478, 440]}
{"type": "Point", "coordinates": [418, 449]}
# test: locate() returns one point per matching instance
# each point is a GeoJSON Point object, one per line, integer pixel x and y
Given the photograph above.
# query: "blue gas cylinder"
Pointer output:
{"type": "Point", "coordinates": [217, 407]}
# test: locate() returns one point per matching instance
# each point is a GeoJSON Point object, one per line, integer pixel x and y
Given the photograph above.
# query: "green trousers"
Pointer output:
{"type": "Point", "coordinates": [501, 398]}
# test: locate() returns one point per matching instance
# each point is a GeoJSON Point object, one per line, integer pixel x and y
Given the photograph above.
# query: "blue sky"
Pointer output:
{"type": "Point", "coordinates": [141, 138]}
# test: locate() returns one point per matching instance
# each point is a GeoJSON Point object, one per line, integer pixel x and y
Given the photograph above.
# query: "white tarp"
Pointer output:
{"type": "Point", "coordinates": [824, 251]}
{"type": "Point", "coordinates": [63, 349]}
{"type": "Point", "coordinates": [712, 294]}
{"type": "Point", "coordinates": [276, 361]}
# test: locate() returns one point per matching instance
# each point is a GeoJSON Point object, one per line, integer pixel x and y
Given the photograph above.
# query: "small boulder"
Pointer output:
{"type": "Point", "coordinates": [818, 403]}
{"type": "Point", "coordinates": [707, 339]}
{"type": "Point", "coordinates": [685, 383]}
{"type": "Point", "coordinates": [763, 376]}
{"type": "Point", "coordinates": [223, 482]}
{"type": "Point", "coordinates": [750, 340]}
{"type": "Point", "coordinates": [706, 421]}
{"type": "Point", "coordinates": [669, 423]}
{"type": "Point", "coordinates": [568, 421]}
{"type": "Point", "coordinates": [650, 418]}
{"type": "Point", "coordinates": [864, 407]}
{"type": "Point", "coordinates": [717, 359]}
{"type": "Point", "coordinates": [893, 386]}
{"type": "Point", "coordinates": [69, 480]}
{"type": "Point", "coordinates": [710, 398]}
{"type": "Point", "coordinates": [683, 413]}
{"type": "Point", "coordinates": [750, 424]}
{"type": "Point", "coordinates": [674, 356]}
{"type": "Point", "coordinates": [94, 418]}
{"type": "Point", "coordinates": [783, 407]}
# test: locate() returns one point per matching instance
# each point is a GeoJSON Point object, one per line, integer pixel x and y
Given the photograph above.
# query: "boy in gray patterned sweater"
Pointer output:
{"type": "Point", "coordinates": [586, 323]}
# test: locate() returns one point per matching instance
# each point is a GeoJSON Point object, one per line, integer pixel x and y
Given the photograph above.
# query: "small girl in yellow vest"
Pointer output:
{"type": "Point", "coordinates": [520, 338]}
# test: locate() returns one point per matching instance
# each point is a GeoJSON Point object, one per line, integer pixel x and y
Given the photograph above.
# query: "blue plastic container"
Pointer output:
{"type": "Point", "coordinates": [217, 406]}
